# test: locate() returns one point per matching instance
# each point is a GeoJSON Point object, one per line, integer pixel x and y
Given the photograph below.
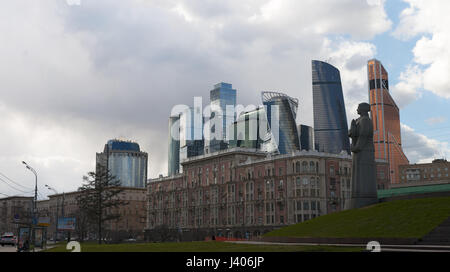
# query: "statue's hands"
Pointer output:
{"type": "Point", "coordinates": [355, 149]}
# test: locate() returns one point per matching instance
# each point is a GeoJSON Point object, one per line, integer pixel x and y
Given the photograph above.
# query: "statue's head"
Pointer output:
{"type": "Point", "coordinates": [363, 108]}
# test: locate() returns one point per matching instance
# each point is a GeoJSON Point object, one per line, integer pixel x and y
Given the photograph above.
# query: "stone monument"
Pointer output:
{"type": "Point", "coordinates": [364, 183]}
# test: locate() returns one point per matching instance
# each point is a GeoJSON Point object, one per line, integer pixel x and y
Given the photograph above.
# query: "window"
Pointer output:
{"type": "Point", "coordinates": [305, 205]}
{"type": "Point", "coordinates": [297, 167]}
{"type": "Point", "coordinates": [311, 166]}
{"type": "Point", "coordinates": [331, 170]}
{"type": "Point", "coordinates": [305, 181]}
{"type": "Point", "coordinates": [332, 194]}
{"type": "Point", "coordinates": [304, 166]}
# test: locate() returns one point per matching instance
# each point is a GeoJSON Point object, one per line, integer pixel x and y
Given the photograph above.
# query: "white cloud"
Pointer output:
{"type": "Point", "coordinates": [430, 21]}
{"type": "Point", "coordinates": [408, 88]}
{"type": "Point", "coordinates": [436, 120]}
{"type": "Point", "coordinates": [422, 149]}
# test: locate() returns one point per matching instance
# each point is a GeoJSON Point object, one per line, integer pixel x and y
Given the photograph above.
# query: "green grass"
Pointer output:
{"type": "Point", "coordinates": [397, 219]}
{"type": "Point", "coordinates": [211, 246]}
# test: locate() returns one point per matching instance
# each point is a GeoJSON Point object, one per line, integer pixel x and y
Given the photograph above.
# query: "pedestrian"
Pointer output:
{"type": "Point", "coordinates": [25, 247]}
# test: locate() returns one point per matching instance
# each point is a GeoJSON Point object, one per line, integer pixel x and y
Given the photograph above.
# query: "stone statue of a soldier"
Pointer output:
{"type": "Point", "coordinates": [364, 184]}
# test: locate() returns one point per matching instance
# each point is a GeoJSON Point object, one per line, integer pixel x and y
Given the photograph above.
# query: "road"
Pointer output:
{"type": "Point", "coordinates": [8, 249]}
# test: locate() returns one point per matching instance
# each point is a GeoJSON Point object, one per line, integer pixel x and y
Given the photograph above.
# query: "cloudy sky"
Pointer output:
{"type": "Point", "coordinates": [75, 73]}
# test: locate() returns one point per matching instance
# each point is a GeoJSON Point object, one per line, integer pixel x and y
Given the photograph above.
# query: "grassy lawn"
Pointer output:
{"type": "Point", "coordinates": [210, 246]}
{"type": "Point", "coordinates": [397, 219]}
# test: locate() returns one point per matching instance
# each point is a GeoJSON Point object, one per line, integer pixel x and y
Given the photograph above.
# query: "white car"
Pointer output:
{"type": "Point", "coordinates": [8, 239]}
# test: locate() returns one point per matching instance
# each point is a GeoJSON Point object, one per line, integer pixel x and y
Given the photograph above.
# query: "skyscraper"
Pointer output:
{"type": "Point", "coordinates": [330, 119]}
{"type": "Point", "coordinates": [126, 162]}
{"type": "Point", "coordinates": [385, 116]}
{"type": "Point", "coordinates": [221, 96]}
{"type": "Point", "coordinates": [288, 140]}
{"type": "Point", "coordinates": [173, 166]}
{"type": "Point", "coordinates": [246, 130]}
{"type": "Point", "coordinates": [306, 137]}
{"type": "Point", "coordinates": [191, 134]}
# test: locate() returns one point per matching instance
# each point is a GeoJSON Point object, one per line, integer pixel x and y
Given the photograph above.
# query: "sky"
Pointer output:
{"type": "Point", "coordinates": [76, 73]}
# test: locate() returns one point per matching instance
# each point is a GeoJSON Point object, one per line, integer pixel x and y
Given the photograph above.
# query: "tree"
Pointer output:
{"type": "Point", "coordinates": [99, 197]}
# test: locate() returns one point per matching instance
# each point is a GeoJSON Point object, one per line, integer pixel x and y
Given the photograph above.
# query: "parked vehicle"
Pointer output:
{"type": "Point", "coordinates": [8, 239]}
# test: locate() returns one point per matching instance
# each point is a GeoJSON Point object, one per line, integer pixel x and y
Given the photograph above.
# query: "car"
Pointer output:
{"type": "Point", "coordinates": [8, 239]}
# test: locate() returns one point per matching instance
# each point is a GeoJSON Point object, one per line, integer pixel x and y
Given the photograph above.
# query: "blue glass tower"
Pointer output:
{"type": "Point", "coordinates": [126, 162]}
{"type": "Point", "coordinates": [191, 134]}
{"type": "Point", "coordinates": [288, 140]}
{"type": "Point", "coordinates": [173, 166]}
{"type": "Point", "coordinates": [306, 137]}
{"type": "Point", "coordinates": [221, 96]}
{"type": "Point", "coordinates": [330, 119]}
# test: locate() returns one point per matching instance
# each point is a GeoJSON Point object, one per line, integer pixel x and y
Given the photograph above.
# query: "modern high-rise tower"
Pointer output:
{"type": "Point", "coordinates": [288, 140]}
{"type": "Point", "coordinates": [306, 137]}
{"type": "Point", "coordinates": [126, 162]}
{"type": "Point", "coordinates": [330, 119]}
{"type": "Point", "coordinates": [221, 96]}
{"type": "Point", "coordinates": [191, 134]}
{"type": "Point", "coordinates": [173, 166]}
{"type": "Point", "coordinates": [385, 116]}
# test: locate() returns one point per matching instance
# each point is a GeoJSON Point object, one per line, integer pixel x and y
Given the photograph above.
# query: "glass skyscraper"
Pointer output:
{"type": "Point", "coordinates": [246, 130]}
{"type": "Point", "coordinates": [191, 134]}
{"type": "Point", "coordinates": [221, 96]}
{"type": "Point", "coordinates": [288, 139]}
{"type": "Point", "coordinates": [126, 162]}
{"type": "Point", "coordinates": [174, 146]}
{"type": "Point", "coordinates": [306, 137]}
{"type": "Point", "coordinates": [330, 119]}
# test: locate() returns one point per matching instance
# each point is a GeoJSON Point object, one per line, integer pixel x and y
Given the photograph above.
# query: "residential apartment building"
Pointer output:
{"type": "Point", "coordinates": [244, 193]}
{"type": "Point", "coordinates": [131, 223]}
{"type": "Point", "coordinates": [13, 211]}
{"type": "Point", "coordinates": [436, 172]}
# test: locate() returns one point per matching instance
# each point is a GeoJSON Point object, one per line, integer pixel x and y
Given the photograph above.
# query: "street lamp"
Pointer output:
{"type": "Point", "coordinates": [57, 212]}
{"type": "Point", "coordinates": [34, 202]}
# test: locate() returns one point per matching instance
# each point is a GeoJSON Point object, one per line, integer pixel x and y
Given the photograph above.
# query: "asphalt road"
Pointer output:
{"type": "Point", "coordinates": [8, 248]}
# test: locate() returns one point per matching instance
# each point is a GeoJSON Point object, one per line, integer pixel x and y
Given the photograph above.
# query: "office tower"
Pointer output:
{"type": "Point", "coordinates": [246, 131]}
{"type": "Point", "coordinates": [173, 166]}
{"type": "Point", "coordinates": [385, 116]}
{"type": "Point", "coordinates": [330, 120]}
{"type": "Point", "coordinates": [191, 134]}
{"type": "Point", "coordinates": [221, 96]}
{"type": "Point", "coordinates": [306, 137]}
{"type": "Point", "coordinates": [288, 140]}
{"type": "Point", "coordinates": [126, 162]}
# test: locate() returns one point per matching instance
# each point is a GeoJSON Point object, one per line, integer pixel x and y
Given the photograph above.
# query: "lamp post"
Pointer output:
{"type": "Point", "coordinates": [57, 212]}
{"type": "Point", "coordinates": [34, 203]}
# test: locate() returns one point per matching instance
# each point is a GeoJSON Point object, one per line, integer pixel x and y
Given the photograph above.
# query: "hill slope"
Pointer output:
{"type": "Point", "coordinates": [397, 219]}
